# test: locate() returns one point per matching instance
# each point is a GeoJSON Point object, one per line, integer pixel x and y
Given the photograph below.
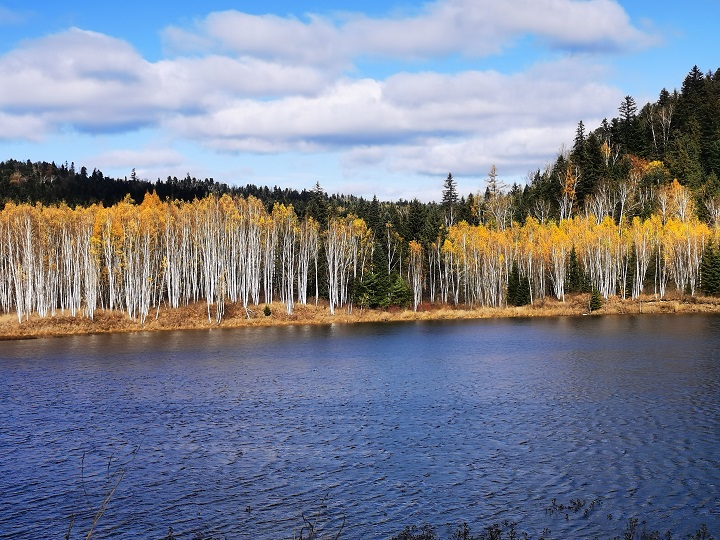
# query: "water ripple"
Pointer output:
{"type": "Point", "coordinates": [242, 433]}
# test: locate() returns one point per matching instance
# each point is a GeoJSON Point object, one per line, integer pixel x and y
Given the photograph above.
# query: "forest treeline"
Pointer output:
{"type": "Point", "coordinates": [138, 258]}
{"type": "Point", "coordinates": [632, 207]}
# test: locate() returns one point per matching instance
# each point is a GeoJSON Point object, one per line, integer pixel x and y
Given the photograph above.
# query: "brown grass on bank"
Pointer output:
{"type": "Point", "coordinates": [195, 316]}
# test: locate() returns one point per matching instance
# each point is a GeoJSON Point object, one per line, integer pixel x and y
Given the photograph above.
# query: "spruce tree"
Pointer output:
{"type": "Point", "coordinates": [318, 205]}
{"type": "Point", "coordinates": [373, 290]}
{"type": "Point", "coordinates": [400, 293]}
{"type": "Point", "coordinates": [449, 199]}
{"type": "Point", "coordinates": [575, 278]}
{"type": "Point", "coordinates": [710, 271]}
{"type": "Point", "coordinates": [523, 295]}
{"type": "Point", "coordinates": [518, 289]}
{"type": "Point", "coordinates": [629, 125]}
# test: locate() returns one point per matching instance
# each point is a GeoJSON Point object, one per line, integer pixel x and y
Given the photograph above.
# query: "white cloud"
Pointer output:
{"type": "Point", "coordinates": [79, 78]}
{"type": "Point", "coordinates": [22, 127]}
{"type": "Point", "coordinates": [346, 112]}
{"type": "Point", "coordinates": [96, 83]}
{"type": "Point", "coordinates": [469, 27]}
{"type": "Point", "coordinates": [215, 78]}
{"type": "Point", "coordinates": [471, 118]}
{"type": "Point", "coordinates": [514, 152]}
{"type": "Point", "coordinates": [273, 37]}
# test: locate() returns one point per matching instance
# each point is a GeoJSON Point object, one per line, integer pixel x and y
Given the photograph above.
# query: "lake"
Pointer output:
{"type": "Point", "coordinates": [240, 433]}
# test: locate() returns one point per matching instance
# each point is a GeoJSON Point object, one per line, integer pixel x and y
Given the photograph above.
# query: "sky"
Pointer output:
{"type": "Point", "coordinates": [370, 98]}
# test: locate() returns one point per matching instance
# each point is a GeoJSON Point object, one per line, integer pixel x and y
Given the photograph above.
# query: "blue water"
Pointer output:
{"type": "Point", "coordinates": [240, 433]}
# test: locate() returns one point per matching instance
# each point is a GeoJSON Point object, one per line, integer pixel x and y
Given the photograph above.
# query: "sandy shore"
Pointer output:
{"type": "Point", "coordinates": [195, 316]}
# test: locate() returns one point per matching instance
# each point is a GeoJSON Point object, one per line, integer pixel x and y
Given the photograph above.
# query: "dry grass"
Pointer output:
{"type": "Point", "coordinates": [195, 316]}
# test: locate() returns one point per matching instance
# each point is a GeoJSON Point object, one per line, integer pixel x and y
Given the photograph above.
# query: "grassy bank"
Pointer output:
{"type": "Point", "coordinates": [195, 316]}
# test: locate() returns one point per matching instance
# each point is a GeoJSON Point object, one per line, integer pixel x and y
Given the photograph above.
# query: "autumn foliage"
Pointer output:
{"type": "Point", "coordinates": [141, 258]}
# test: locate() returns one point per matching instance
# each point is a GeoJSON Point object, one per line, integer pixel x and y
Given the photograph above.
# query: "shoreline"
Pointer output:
{"type": "Point", "coordinates": [194, 316]}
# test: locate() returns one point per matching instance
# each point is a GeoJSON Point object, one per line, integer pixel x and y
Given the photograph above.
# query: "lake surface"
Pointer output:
{"type": "Point", "coordinates": [239, 433]}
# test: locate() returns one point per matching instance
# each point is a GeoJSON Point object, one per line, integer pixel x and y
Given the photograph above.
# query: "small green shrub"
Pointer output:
{"type": "Point", "coordinates": [267, 311]}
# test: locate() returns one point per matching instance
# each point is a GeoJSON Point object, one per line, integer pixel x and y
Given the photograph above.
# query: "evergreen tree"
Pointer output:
{"type": "Point", "coordinates": [592, 168]}
{"type": "Point", "coordinates": [374, 218]}
{"type": "Point", "coordinates": [710, 271]}
{"type": "Point", "coordinates": [596, 300]}
{"type": "Point", "coordinates": [399, 294]}
{"type": "Point", "coordinates": [469, 210]}
{"type": "Point", "coordinates": [523, 295]}
{"type": "Point", "coordinates": [318, 206]}
{"type": "Point", "coordinates": [416, 219]}
{"type": "Point", "coordinates": [373, 290]}
{"type": "Point", "coordinates": [361, 292]}
{"type": "Point", "coordinates": [683, 157]}
{"type": "Point", "coordinates": [449, 199]}
{"type": "Point", "coordinates": [518, 289]}
{"type": "Point", "coordinates": [628, 125]}
{"type": "Point", "coordinates": [575, 279]}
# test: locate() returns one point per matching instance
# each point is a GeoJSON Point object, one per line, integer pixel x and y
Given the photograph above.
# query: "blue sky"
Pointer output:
{"type": "Point", "coordinates": [369, 98]}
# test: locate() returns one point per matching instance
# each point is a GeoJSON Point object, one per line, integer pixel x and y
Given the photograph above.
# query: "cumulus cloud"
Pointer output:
{"type": "Point", "coordinates": [514, 151]}
{"type": "Point", "coordinates": [22, 127]}
{"type": "Point", "coordinates": [436, 117]}
{"type": "Point", "coordinates": [267, 36]}
{"type": "Point", "coordinates": [468, 27]}
{"type": "Point", "coordinates": [80, 78]}
{"type": "Point", "coordinates": [97, 83]}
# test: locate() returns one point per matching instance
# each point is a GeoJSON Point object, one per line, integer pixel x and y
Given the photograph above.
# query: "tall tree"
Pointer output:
{"type": "Point", "coordinates": [494, 186]}
{"type": "Point", "coordinates": [449, 199]}
{"type": "Point", "coordinates": [628, 125]}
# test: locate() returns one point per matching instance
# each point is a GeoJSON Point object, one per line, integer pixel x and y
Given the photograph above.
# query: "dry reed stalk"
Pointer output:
{"type": "Point", "coordinates": [195, 317]}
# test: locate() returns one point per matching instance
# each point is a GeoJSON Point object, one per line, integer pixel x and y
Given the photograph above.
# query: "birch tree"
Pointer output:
{"type": "Point", "coordinates": [415, 266]}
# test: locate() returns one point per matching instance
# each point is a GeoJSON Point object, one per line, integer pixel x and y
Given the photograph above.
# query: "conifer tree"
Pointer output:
{"type": "Point", "coordinates": [400, 293]}
{"type": "Point", "coordinates": [629, 125]}
{"type": "Point", "coordinates": [518, 288]}
{"type": "Point", "coordinates": [710, 271]}
{"type": "Point", "coordinates": [575, 279]}
{"type": "Point", "coordinates": [449, 200]}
